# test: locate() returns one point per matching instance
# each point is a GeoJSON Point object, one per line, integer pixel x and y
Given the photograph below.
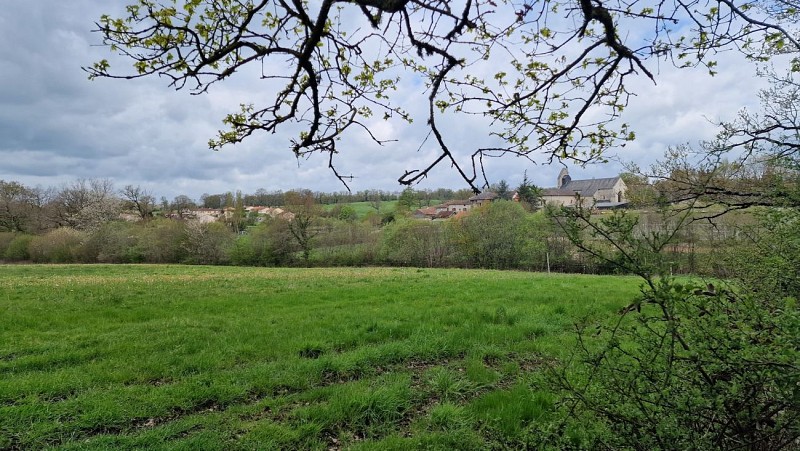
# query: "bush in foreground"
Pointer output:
{"type": "Point", "coordinates": [689, 364]}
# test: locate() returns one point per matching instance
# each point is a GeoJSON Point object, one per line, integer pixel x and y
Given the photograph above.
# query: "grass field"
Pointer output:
{"type": "Point", "coordinates": [188, 357]}
{"type": "Point", "coordinates": [362, 209]}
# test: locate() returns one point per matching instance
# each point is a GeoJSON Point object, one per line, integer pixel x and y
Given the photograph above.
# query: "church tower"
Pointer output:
{"type": "Point", "coordinates": [563, 178]}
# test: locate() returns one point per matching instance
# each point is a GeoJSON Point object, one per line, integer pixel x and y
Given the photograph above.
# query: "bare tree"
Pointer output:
{"type": "Point", "coordinates": [139, 200]}
{"type": "Point", "coordinates": [558, 90]}
{"type": "Point", "coordinates": [16, 207]}
{"type": "Point", "coordinates": [375, 197]}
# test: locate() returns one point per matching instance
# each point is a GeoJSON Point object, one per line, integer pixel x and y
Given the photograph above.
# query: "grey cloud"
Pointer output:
{"type": "Point", "coordinates": [56, 126]}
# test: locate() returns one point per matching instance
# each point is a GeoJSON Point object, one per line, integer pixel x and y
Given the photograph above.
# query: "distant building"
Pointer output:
{"type": "Point", "coordinates": [602, 193]}
{"type": "Point", "coordinates": [453, 207]}
{"type": "Point", "coordinates": [205, 215]}
{"type": "Point", "coordinates": [482, 198]}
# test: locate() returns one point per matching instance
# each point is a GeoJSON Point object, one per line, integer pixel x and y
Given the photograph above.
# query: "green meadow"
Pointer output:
{"type": "Point", "coordinates": [362, 209]}
{"type": "Point", "coordinates": [193, 357]}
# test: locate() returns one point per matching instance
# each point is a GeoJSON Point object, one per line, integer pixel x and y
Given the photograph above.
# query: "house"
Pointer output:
{"type": "Point", "coordinates": [274, 212]}
{"type": "Point", "coordinates": [426, 213]}
{"type": "Point", "coordinates": [482, 198]}
{"type": "Point", "coordinates": [603, 193]}
{"type": "Point", "coordinates": [205, 215]}
{"type": "Point", "coordinates": [455, 205]}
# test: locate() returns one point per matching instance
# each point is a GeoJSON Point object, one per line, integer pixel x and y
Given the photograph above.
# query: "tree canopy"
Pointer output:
{"type": "Point", "coordinates": [559, 80]}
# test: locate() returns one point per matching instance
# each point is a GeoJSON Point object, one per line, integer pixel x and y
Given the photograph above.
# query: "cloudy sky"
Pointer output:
{"type": "Point", "coordinates": [57, 126]}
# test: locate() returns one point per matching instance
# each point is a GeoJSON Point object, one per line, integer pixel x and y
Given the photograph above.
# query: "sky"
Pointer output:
{"type": "Point", "coordinates": [56, 126]}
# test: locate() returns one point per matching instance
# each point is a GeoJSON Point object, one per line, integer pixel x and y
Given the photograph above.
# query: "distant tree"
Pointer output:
{"type": "Point", "coordinates": [426, 197]}
{"type": "Point", "coordinates": [444, 194]}
{"type": "Point", "coordinates": [275, 244]}
{"type": "Point", "coordinates": [86, 204]}
{"type": "Point", "coordinates": [529, 194]}
{"type": "Point", "coordinates": [374, 197]}
{"type": "Point", "coordinates": [43, 202]}
{"type": "Point", "coordinates": [640, 192]}
{"type": "Point", "coordinates": [215, 201]}
{"type": "Point", "coordinates": [181, 205]}
{"type": "Point", "coordinates": [347, 213]}
{"type": "Point", "coordinates": [462, 194]}
{"type": "Point", "coordinates": [139, 200]}
{"type": "Point", "coordinates": [162, 241]}
{"type": "Point", "coordinates": [237, 218]}
{"type": "Point", "coordinates": [502, 190]}
{"type": "Point", "coordinates": [164, 205]}
{"type": "Point", "coordinates": [276, 198]}
{"type": "Point", "coordinates": [256, 199]}
{"type": "Point", "coordinates": [306, 212]}
{"type": "Point", "coordinates": [17, 207]}
{"type": "Point", "coordinates": [408, 200]}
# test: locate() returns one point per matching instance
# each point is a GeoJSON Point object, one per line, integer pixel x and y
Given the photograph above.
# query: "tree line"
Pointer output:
{"type": "Point", "coordinates": [85, 204]}
{"type": "Point", "coordinates": [81, 222]}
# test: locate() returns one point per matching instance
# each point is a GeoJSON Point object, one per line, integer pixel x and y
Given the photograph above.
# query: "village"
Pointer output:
{"type": "Point", "coordinates": [599, 193]}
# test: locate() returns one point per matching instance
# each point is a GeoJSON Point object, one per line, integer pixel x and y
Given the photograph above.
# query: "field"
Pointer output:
{"type": "Point", "coordinates": [190, 357]}
{"type": "Point", "coordinates": [362, 209]}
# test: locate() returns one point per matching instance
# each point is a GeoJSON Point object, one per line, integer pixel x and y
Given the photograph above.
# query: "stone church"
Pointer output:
{"type": "Point", "coordinates": [602, 193]}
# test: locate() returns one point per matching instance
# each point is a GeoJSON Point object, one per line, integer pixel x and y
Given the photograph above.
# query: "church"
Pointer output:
{"type": "Point", "coordinates": [602, 193]}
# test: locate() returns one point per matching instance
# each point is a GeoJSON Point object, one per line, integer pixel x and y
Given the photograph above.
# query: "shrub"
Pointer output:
{"type": "Point", "coordinates": [242, 252]}
{"type": "Point", "coordinates": [409, 242]}
{"type": "Point", "coordinates": [63, 245]}
{"type": "Point", "coordinates": [273, 243]}
{"type": "Point", "coordinates": [114, 242]}
{"type": "Point", "coordinates": [207, 243]}
{"type": "Point", "coordinates": [687, 365]}
{"type": "Point", "coordinates": [266, 244]}
{"type": "Point", "coordinates": [17, 248]}
{"type": "Point", "coordinates": [345, 255]}
{"type": "Point", "coordinates": [5, 239]}
{"type": "Point", "coordinates": [493, 236]}
{"type": "Point", "coordinates": [161, 241]}
{"type": "Point", "coordinates": [699, 367]}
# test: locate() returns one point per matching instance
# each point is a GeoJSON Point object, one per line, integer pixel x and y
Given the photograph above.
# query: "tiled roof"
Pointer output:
{"type": "Point", "coordinates": [430, 211]}
{"type": "Point", "coordinates": [486, 195]}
